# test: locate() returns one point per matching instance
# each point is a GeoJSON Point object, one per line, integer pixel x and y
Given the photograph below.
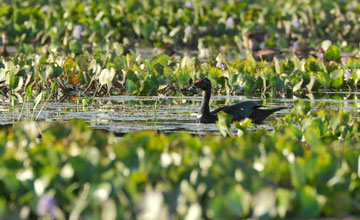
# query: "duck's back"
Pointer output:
{"type": "Point", "coordinates": [239, 111]}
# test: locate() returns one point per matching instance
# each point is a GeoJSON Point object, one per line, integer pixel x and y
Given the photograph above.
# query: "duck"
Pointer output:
{"type": "Point", "coordinates": [239, 111]}
{"type": "Point", "coordinates": [3, 51]}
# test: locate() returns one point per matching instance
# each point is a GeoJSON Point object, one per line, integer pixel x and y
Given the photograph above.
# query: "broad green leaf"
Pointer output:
{"type": "Point", "coordinates": [69, 64]}
{"type": "Point", "coordinates": [224, 123]}
{"type": "Point", "coordinates": [284, 199]}
{"type": "Point", "coordinates": [312, 64]}
{"type": "Point", "coordinates": [76, 48]}
{"type": "Point", "coordinates": [323, 78]}
{"type": "Point", "coordinates": [309, 205]}
{"type": "Point", "coordinates": [326, 44]}
{"type": "Point", "coordinates": [336, 77]}
{"type": "Point", "coordinates": [106, 76]}
{"type": "Point", "coordinates": [354, 63]}
{"type": "Point", "coordinates": [332, 53]}
{"type": "Point", "coordinates": [13, 82]}
{"type": "Point", "coordinates": [37, 100]}
{"type": "Point", "coordinates": [298, 85]}
{"type": "Point", "coordinates": [302, 107]}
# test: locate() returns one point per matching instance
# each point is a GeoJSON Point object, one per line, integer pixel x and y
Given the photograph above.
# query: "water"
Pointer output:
{"type": "Point", "coordinates": [124, 114]}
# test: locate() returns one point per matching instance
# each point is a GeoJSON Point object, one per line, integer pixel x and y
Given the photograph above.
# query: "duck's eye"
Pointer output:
{"type": "Point", "coordinates": [197, 81]}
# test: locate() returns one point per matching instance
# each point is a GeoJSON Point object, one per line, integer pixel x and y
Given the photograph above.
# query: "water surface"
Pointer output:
{"type": "Point", "coordinates": [124, 114]}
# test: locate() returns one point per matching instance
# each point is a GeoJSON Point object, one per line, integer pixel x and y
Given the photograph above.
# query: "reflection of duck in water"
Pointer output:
{"type": "Point", "coordinates": [3, 51]}
{"type": "Point", "coordinates": [240, 111]}
{"type": "Point", "coordinates": [255, 43]}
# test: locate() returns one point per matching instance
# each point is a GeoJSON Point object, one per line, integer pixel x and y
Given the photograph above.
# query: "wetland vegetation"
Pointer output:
{"type": "Point", "coordinates": [98, 122]}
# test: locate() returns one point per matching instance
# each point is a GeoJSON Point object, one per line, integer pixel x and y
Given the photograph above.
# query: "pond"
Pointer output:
{"type": "Point", "coordinates": [124, 114]}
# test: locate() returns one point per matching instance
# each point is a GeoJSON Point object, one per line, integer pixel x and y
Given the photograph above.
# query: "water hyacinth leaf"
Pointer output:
{"type": "Point", "coordinates": [41, 60]}
{"type": "Point", "coordinates": [332, 53]}
{"type": "Point", "coordinates": [311, 84]}
{"type": "Point", "coordinates": [297, 63]}
{"type": "Point", "coordinates": [69, 64]}
{"type": "Point", "coordinates": [13, 81]}
{"type": "Point", "coordinates": [309, 205]}
{"type": "Point", "coordinates": [243, 125]}
{"type": "Point", "coordinates": [336, 77]}
{"type": "Point", "coordinates": [29, 91]}
{"type": "Point", "coordinates": [83, 63]}
{"type": "Point", "coordinates": [323, 78]}
{"type": "Point", "coordinates": [298, 85]}
{"type": "Point", "coordinates": [284, 199]}
{"type": "Point", "coordinates": [326, 44]}
{"type": "Point", "coordinates": [147, 29]}
{"type": "Point", "coordinates": [57, 70]}
{"type": "Point", "coordinates": [37, 100]}
{"type": "Point", "coordinates": [53, 87]}
{"type": "Point", "coordinates": [14, 70]}
{"type": "Point", "coordinates": [264, 202]}
{"type": "Point", "coordinates": [353, 63]}
{"type": "Point", "coordinates": [287, 66]}
{"type": "Point", "coordinates": [302, 107]}
{"type": "Point", "coordinates": [49, 72]}
{"type": "Point", "coordinates": [76, 48]}
{"type": "Point", "coordinates": [312, 136]}
{"type": "Point", "coordinates": [312, 64]}
{"type": "Point", "coordinates": [106, 76]}
{"type": "Point", "coordinates": [224, 123]}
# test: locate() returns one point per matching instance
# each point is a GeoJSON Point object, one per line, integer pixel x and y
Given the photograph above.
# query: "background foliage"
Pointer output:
{"type": "Point", "coordinates": [158, 22]}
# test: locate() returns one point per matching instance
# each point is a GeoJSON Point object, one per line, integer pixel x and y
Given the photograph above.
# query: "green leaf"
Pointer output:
{"type": "Point", "coordinates": [106, 76]}
{"type": "Point", "coordinates": [354, 63]}
{"type": "Point", "coordinates": [37, 100]}
{"type": "Point", "coordinates": [53, 87]}
{"type": "Point", "coordinates": [147, 29]}
{"type": "Point", "coordinates": [29, 91]}
{"type": "Point", "coordinates": [332, 53]}
{"type": "Point", "coordinates": [76, 48]}
{"type": "Point", "coordinates": [326, 44]}
{"type": "Point", "coordinates": [336, 77]}
{"type": "Point", "coordinates": [14, 101]}
{"type": "Point", "coordinates": [302, 107]}
{"type": "Point", "coordinates": [277, 65]}
{"type": "Point", "coordinates": [323, 78]}
{"type": "Point", "coordinates": [14, 81]}
{"type": "Point", "coordinates": [224, 123]}
{"type": "Point", "coordinates": [298, 85]}
{"type": "Point", "coordinates": [69, 64]}
{"type": "Point", "coordinates": [309, 206]}
{"type": "Point", "coordinates": [312, 64]}
{"type": "Point", "coordinates": [57, 70]}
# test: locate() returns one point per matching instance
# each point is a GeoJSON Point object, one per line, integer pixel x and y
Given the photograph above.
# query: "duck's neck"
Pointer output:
{"type": "Point", "coordinates": [206, 94]}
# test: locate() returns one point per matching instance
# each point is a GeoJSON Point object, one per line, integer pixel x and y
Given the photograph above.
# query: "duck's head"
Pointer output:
{"type": "Point", "coordinates": [202, 84]}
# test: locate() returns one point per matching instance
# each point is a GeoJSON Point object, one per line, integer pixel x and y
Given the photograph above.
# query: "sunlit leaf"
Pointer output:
{"type": "Point", "coordinates": [332, 53]}
{"type": "Point", "coordinates": [224, 123]}
{"type": "Point", "coordinates": [69, 64]}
